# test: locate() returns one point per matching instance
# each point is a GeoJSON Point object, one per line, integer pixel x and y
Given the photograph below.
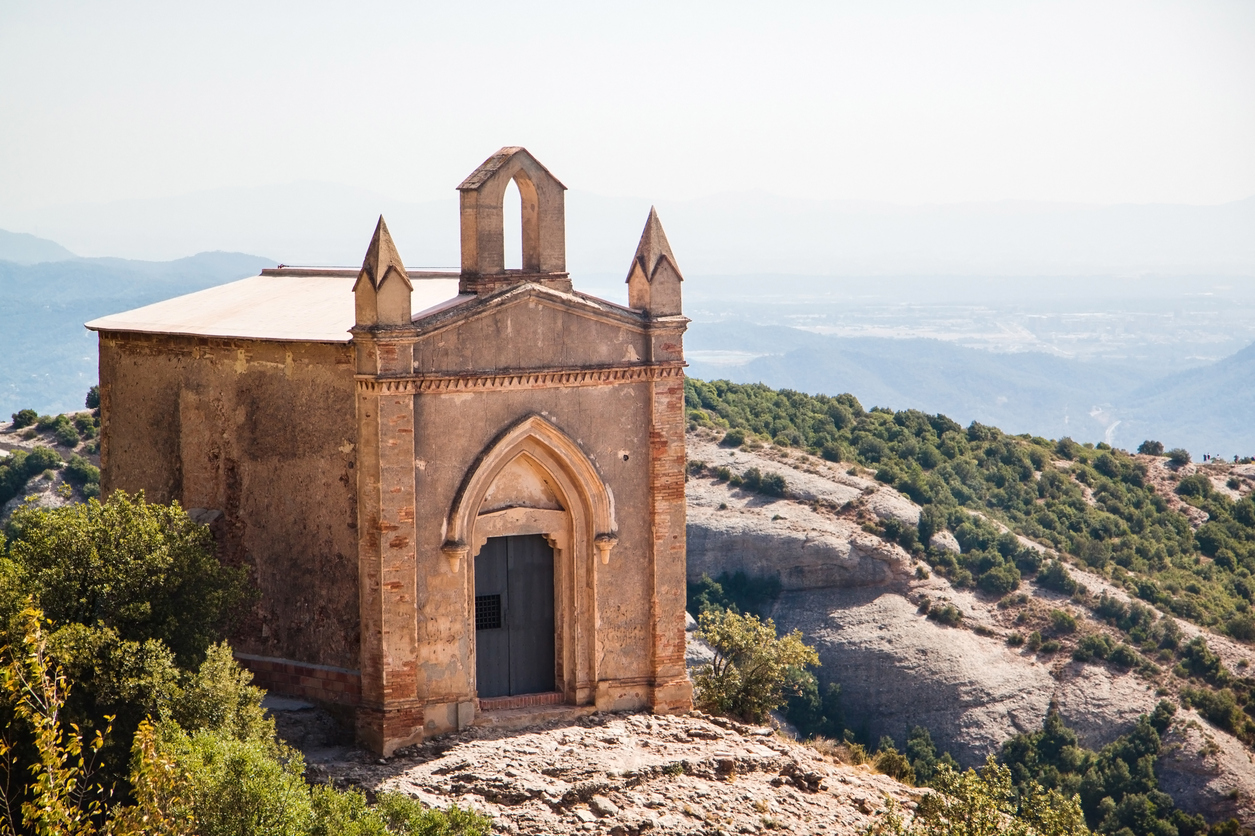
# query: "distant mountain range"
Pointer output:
{"type": "Point", "coordinates": [735, 233]}
{"type": "Point", "coordinates": [1205, 409]}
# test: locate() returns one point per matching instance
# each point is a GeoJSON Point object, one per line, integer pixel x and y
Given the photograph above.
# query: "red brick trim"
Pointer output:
{"type": "Point", "coordinates": [534, 379]}
{"type": "Point", "coordinates": [521, 701]}
{"type": "Point", "coordinates": [322, 683]}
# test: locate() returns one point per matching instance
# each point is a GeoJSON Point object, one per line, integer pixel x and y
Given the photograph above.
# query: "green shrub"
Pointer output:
{"type": "Point", "coordinates": [85, 424]}
{"type": "Point", "coordinates": [67, 436]}
{"type": "Point", "coordinates": [1179, 456]}
{"type": "Point", "coordinates": [144, 570]}
{"type": "Point", "coordinates": [24, 418]}
{"type": "Point", "coordinates": [1093, 646]}
{"type": "Point", "coordinates": [1196, 485]}
{"type": "Point", "coordinates": [889, 761]}
{"type": "Point", "coordinates": [1062, 621]}
{"type": "Point", "coordinates": [1000, 580]}
{"type": "Point", "coordinates": [80, 471]}
{"type": "Point", "coordinates": [734, 437]}
{"type": "Point", "coordinates": [751, 668]}
{"type": "Point", "coordinates": [1056, 576]}
{"type": "Point", "coordinates": [949, 615]}
{"type": "Point", "coordinates": [1151, 448]}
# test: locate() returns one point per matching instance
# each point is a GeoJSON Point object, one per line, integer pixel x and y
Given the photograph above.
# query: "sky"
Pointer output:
{"type": "Point", "coordinates": [905, 102]}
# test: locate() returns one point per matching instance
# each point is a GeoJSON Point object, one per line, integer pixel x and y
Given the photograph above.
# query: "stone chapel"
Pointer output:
{"type": "Point", "coordinates": [460, 493]}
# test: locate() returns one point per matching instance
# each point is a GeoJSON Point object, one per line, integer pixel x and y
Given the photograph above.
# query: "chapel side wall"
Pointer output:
{"type": "Point", "coordinates": [263, 432]}
{"type": "Point", "coordinates": [605, 421]}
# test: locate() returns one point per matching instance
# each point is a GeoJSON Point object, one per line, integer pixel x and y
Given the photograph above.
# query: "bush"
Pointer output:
{"type": "Point", "coordinates": [67, 436]}
{"type": "Point", "coordinates": [949, 615]}
{"type": "Point", "coordinates": [1196, 485]}
{"type": "Point", "coordinates": [79, 471]}
{"type": "Point", "coordinates": [1092, 646]}
{"type": "Point", "coordinates": [93, 398]}
{"type": "Point", "coordinates": [1150, 448]}
{"type": "Point", "coordinates": [24, 418]}
{"type": "Point", "coordinates": [734, 437]}
{"type": "Point", "coordinates": [889, 761]}
{"type": "Point", "coordinates": [985, 803]}
{"type": "Point", "coordinates": [1179, 456]}
{"type": "Point", "coordinates": [1000, 580]}
{"type": "Point", "coordinates": [1056, 576]}
{"type": "Point", "coordinates": [751, 668]}
{"type": "Point", "coordinates": [1062, 621]}
{"type": "Point", "coordinates": [143, 570]}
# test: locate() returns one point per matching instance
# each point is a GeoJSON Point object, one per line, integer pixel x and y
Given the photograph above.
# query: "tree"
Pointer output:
{"type": "Point", "coordinates": [984, 803]}
{"type": "Point", "coordinates": [143, 570]}
{"type": "Point", "coordinates": [1179, 456]}
{"type": "Point", "coordinates": [93, 398]}
{"type": "Point", "coordinates": [751, 669]}
{"type": "Point", "coordinates": [1150, 448]}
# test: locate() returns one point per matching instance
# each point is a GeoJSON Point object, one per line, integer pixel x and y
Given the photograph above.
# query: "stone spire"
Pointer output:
{"type": "Point", "coordinates": [383, 288]}
{"type": "Point", "coordinates": [654, 278]}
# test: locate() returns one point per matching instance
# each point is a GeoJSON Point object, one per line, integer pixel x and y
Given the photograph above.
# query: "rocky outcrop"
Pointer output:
{"type": "Point", "coordinates": [798, 540]}
{"type": "Point", "coordinates": [630, 774]}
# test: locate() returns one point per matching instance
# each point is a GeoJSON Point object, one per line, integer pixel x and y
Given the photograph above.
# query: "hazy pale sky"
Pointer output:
{"type": "Point", "coordinates": [908, 102]}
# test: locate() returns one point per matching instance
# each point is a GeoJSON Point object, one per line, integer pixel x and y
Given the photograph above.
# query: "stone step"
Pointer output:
{"type": "Point", "coordinates": [519, 718]}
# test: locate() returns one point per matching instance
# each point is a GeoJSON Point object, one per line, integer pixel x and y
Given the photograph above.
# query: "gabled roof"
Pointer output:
{"type": "Point", "coordinates": [494, 163]}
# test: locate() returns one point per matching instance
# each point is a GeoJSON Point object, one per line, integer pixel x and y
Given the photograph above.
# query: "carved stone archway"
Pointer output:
{"type": "Point", "coordinates": [534, 479]}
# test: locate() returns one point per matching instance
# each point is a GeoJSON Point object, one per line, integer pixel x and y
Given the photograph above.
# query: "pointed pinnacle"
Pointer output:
{"type": "Point", "coordinates": [382, 258]}
{"type": "Point", "coordinates": [653, 248]}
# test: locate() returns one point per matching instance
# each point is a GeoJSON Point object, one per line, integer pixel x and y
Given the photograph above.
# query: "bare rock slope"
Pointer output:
{"type": "Point", "coordinates": [631, 774]}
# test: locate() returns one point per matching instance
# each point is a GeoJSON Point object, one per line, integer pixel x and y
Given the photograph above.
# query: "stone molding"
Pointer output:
{"type": "Point", "coordinates": [515, 380]}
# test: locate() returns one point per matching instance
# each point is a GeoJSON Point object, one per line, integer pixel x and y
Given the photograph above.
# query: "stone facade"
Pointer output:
{"type": "Point", "coordinates": [359, 478]}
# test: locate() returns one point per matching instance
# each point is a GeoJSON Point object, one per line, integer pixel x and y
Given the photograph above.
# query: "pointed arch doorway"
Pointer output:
{"type": "Point", "coordinates": [535, 522]}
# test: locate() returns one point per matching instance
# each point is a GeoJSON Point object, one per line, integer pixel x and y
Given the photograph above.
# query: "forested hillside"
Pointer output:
{"type": "Point", "coordinates": [1175, 534]}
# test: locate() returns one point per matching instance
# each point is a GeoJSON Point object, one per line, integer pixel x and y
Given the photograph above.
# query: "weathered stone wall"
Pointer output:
{"type": "Point", "coordinates": [264, 433]}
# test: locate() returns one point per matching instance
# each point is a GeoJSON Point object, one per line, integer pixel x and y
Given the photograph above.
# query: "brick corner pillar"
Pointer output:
{"type": "Point", "coordinates": [672, 691]}
{"type": "Point", "coordinates": [390, 715]}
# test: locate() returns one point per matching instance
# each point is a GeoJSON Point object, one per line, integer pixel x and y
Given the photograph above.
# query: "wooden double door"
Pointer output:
{"type": "Point", "coordinates": [514, 620]}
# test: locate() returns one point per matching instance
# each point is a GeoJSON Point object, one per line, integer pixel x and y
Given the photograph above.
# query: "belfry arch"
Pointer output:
{"type": "Point", "coordinates": [542, 198]}
{"type": "Point", "coordinates": [535, 480]}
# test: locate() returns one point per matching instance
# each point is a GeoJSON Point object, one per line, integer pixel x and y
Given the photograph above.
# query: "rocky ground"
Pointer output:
{"type": "Point", "coordinates": [625, 774]}
{"type": "Point", "coordinates": [858, 599]}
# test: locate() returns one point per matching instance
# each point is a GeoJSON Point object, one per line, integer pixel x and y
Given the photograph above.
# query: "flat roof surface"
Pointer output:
{"type": "Point", "coordinates": [305, 305]}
